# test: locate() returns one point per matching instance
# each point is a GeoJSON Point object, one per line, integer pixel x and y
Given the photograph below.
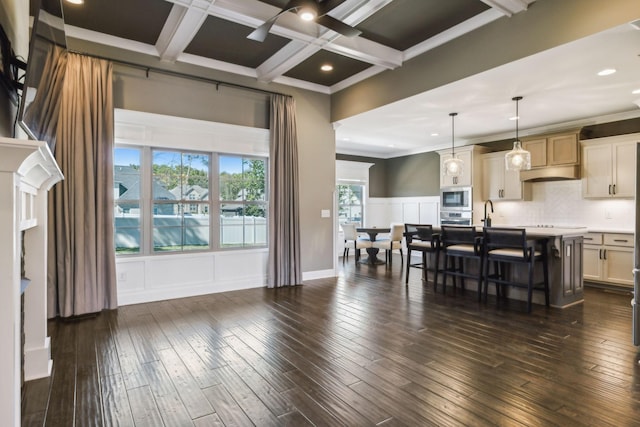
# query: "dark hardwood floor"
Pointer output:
{"type": "Point", "coordinates": [362, 349]}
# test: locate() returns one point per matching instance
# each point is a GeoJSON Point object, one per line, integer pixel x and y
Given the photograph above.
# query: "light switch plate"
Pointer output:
{"type": "Point", "coordinates": [325, 213]}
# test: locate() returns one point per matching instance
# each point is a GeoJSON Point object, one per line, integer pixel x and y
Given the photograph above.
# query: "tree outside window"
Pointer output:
{"type": "Point", "coordinates": [243, 201]}
{"type": "Point", "coordinates": [350, 203]}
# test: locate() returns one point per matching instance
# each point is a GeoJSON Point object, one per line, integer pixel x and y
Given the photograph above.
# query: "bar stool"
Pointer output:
{"type": "Point", "coordinates": [420, 237]}
{"type": "Point", "coordinates": [510, 245]}
{"type": "Point", "coordinates": [460, 243]}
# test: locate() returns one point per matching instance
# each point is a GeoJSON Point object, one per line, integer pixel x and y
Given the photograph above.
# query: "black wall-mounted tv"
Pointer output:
{"type": "Point", "coordinates": [47, 32]}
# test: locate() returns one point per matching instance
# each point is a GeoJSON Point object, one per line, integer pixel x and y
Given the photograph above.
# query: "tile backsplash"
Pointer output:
{"type": "Point", "coordinates": [561, 203]}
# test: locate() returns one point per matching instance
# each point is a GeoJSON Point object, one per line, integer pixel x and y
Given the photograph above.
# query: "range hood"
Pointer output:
{"type": "Point", "coordinates": [551, 173]}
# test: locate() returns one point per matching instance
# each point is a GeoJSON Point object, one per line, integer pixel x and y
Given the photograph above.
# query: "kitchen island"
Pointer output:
{"type": "Point", "coordinates": [564, 251]}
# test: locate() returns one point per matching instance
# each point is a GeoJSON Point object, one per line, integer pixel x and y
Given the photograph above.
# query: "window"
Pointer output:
{"type": "Point", "coordinates": [242, 203]}
{"type": "Point", "coordinates": [169, 200]}
{"type": "Point", "coordinates": [126, 189]}
{"type": "Point", "coordinates": [180, 189]}
{"type": "Point", "coordinates": [350, 203]}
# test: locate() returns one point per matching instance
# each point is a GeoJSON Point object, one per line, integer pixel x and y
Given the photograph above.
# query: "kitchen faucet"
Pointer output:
{"type": "Point", "coordinates": [487, 219]}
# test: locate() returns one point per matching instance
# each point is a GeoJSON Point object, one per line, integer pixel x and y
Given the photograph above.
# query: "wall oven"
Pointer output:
{"type": "Point", "coordinates": [456, 217]}
{"type": "Point", "coordinates": [456, 199]}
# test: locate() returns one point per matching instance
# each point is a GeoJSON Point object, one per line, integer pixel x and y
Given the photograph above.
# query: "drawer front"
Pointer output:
{"type": "Point", "coordinates": [616, 239]}
{"type": "Point", "coordinates": [592, 239]}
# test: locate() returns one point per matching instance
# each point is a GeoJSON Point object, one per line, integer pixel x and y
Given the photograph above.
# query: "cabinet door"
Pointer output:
{"type": "Point", "coordinates": [512, 186]}
{"type": "Point", "coordinates": [538, 150]}
{"type": "Point", "coordinates": [465, 179]}
{"type": "Point", "coordinates": [492, 177]}
{"type": "Point", "coordinates": [592, 264]}
{"type": "Point", "coordinates": [596, 171]}
{"type": "Point", "coordinates": [618, 265]}
{"type": "Point", "coordinates": [624, 172]}
{"type": "Point", "coordinates": [563, 150]}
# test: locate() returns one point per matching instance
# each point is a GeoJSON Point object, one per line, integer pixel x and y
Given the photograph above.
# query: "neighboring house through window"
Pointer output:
{"type": "Point", "coordinates": [177, 184]}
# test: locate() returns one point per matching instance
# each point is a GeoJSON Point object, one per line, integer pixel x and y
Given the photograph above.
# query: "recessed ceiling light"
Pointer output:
{"type": "Point", "coordinates": [514, 118]}
{"type": "Point", "coordinates": [636, 92]}
{"type": "Point", "coordinates": [435, 134]}
{"type": "Point", "coordinates": [326, 67]}
{"type": "Point", "coordinates": [75, 1]}
{"type": "Point", "coordinates": [391, 145]}
{"type": "Point", "coordinates": [606, 72]}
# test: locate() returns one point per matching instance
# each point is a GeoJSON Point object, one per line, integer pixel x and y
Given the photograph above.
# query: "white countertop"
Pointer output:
{"type": "Point", "coordinates": [610, 230]}
{"type": "Point", "coordinates": [555, 231]}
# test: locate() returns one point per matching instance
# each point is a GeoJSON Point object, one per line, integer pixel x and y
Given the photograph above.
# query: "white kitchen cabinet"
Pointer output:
{"type": "Point", "coordinates": [608, 258]}
{"type": "Point", "coordinates": [608, 167]}
{"type": "Point", "coordinates": [498, 183]}
{"type": "Point", "coordinates": [471, 168]}
{"type": "Point", "coordinates": [466, 178]}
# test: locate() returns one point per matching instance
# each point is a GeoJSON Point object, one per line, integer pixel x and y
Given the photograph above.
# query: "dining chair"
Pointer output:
{"type": "Point", "coordinates": [420, 237]}
{"type": "Point", "coordinates": [353, 240]}
{"type": "Point", "coordinates": [394, 241]}
{"type": "Point", "coordinates": [511, 246]}
{"type": "Point", "coordinates": [459, 244]}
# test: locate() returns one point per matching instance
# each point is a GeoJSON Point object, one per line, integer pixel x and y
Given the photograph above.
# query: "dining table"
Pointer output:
{"type": "Point", "coordinates": [373, 232]}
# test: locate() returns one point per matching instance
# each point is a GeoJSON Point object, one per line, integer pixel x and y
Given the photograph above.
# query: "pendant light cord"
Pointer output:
{"type": "Point", "coordinates": [453, 151]}
{"type": "Point", "coordinates": [517, 98]}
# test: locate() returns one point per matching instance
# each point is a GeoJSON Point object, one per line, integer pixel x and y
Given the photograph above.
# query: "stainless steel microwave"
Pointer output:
{"type": "Point", "coordinates": [456, 199]}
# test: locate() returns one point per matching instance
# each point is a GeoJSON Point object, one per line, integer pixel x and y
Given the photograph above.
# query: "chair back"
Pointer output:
{"type": "Point", "coordinates": [350, 232]}
{"type": "Point", "coordinates": [418, 232]}
{"type": "Point", "coordinates": [505, 238]}
{"type": "Point", "coordinates": [457, 235]}
{"type": "Point", "coordinates": [397, 231]}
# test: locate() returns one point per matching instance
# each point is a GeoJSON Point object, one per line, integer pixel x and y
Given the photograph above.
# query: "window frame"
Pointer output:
{"type": "Point", "coordinates": [212, 205]}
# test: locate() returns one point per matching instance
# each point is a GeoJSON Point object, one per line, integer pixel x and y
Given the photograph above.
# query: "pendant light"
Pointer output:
{"type": "Point", "coordinates": [453, 165]}
{"type": "Point", "coordinates": [518, 158]}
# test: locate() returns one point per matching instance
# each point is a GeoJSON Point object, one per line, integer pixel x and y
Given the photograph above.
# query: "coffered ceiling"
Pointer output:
{"type": "Point", "coordinates": [213, 34]}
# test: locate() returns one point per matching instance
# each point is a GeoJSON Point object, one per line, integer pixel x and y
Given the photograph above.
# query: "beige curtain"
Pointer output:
{"type": "Point", "coordinates": [41, 115]}
{"type": "Point", "coordinates": [284, 225]}
{"type": "Point", "coordinates": [81, 251]}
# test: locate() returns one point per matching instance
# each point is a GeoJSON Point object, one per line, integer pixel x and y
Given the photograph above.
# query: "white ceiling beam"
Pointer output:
{"type": "Point", "coordinates": [180, 28]}
{"type": "Point", "coordinates": [304, 42]}
{"type": "Point", "coordinates": [509, 7]}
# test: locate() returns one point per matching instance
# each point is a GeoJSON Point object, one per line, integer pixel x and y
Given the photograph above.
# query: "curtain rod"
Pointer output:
{"type": "Point", "coordinates": [182, 75]}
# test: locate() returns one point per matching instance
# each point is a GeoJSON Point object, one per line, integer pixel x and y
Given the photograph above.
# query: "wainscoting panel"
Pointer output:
{"type": "Point", "coordinates": [155, 278]}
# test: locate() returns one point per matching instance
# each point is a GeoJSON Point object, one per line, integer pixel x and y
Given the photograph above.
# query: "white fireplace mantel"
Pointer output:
{"type": "Point", "coordinates": [27, 171]}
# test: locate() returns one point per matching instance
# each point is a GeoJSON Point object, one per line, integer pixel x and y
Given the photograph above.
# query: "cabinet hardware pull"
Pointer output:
{"type": "Point", "coordinates": [604, 254]}
{"type": "Point", "coordinates": [588, 238]}
{"type": "Point", "coordinates": [620, 240]}
{"type": "Point", "coordinates": [614, 189]}
{"type": "Point", "coordinates": [599, 253]}
{"type": "Point", "coordinates": [609, 188]}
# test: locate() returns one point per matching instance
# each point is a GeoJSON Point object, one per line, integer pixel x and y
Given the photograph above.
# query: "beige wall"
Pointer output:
{"type": "Point", "coordinates": [546, 24]}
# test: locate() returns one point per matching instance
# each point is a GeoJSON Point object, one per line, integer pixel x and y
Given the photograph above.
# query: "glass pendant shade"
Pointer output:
{"type": "Point", "coordinates": [518, 158]}
{"type": "Point", "coordinates": [453, 166]}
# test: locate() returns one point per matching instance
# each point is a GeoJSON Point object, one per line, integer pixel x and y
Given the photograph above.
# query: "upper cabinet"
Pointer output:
{"type": "Point", "coordinates": [470, 166]}
{"type": "Point", "coordinates": [500, 184]}
{"type": "Point", "coordinates": [553, 150]}
{"type": "Point", "coordinates": [609, 167]}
